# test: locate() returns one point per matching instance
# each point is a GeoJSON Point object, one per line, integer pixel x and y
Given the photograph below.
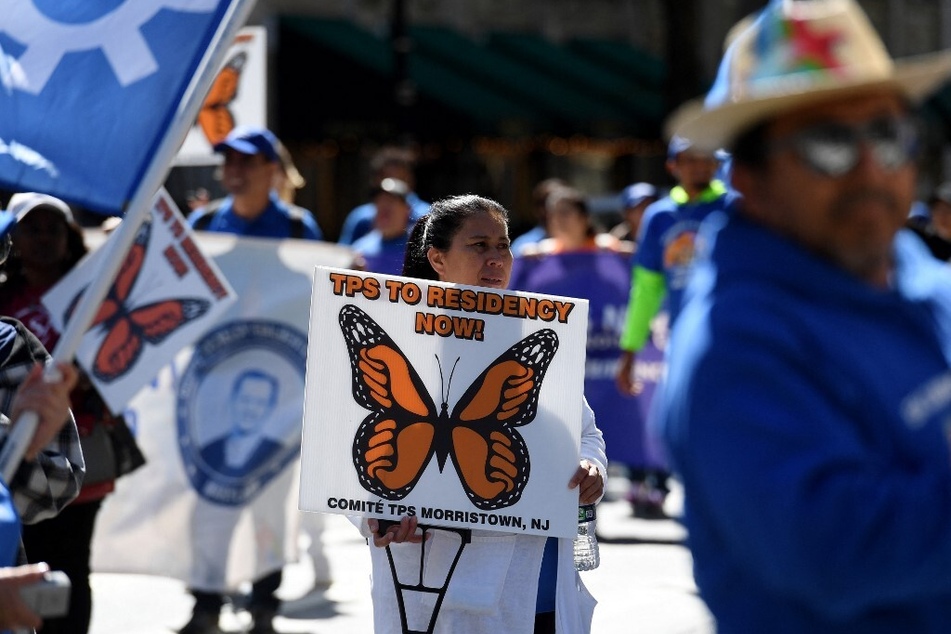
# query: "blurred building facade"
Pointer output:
{"type": "Point", "coordinates": [497, 95]}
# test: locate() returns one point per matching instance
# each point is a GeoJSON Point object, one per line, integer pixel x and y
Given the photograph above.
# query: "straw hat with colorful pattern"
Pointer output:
{"type": "Point", "coordinates": [798, 52]}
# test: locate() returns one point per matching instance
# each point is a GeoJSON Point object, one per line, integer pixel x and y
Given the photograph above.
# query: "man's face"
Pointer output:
{"type": "Point", "coordinates": [392, 214]}
{"type": "Point", "coordinates": [693, 170]}
{"type": "Point", "coordinates": [252, 403]}
{"type": "Point", "coordinates": [245, 174]}
{"type": "Point", "coordinates": [851, 218]}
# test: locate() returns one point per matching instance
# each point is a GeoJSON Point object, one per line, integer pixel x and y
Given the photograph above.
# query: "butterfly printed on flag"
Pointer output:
{"type": "Point", "coordinates": [215, 117]}
{"type": "Point", "coordinates": [396, 442]}
{"type": "Point", "coordinates": [129, 327]}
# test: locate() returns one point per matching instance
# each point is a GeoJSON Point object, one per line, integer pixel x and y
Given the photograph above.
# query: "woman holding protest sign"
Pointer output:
{"type": "Point", "coordinates": [527, 583]}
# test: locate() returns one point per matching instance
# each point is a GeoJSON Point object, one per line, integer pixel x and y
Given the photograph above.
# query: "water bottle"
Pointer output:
{"type": "Point", "coordinates": [587, 555]}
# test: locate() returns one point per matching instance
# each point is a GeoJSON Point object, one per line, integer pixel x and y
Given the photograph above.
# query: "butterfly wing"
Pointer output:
{"type": "Point", "coordinates": [119, 350]}
{"type": "Point", "coordinates": [151, 323]}
{"type": "Point", "coordinates": [112, 305]}
{"type": "Point", "coordinates": [395, 442]}
{"type": "Point", "coordinates": [130, 328]}
{"type": "Point", "coordinates": [158, 320]}
{"type": "Point", "coordinates": [215, 117]}
{"type": "Point", "coordinates": [489, 455]}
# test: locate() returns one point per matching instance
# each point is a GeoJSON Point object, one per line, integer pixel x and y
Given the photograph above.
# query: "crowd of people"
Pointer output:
{"type": "Point", "coordinates": [798, 296]}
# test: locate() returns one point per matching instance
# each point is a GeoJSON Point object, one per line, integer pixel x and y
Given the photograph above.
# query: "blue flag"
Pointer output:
{"type": "Point", "coordinates": [88, 89]}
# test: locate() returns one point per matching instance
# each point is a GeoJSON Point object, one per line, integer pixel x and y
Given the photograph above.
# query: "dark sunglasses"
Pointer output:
{"type": "Point", "coordinates": [834, 149]}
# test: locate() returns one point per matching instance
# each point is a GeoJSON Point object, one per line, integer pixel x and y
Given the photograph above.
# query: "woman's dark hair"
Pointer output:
{"type": "Point", "coordinates": [11, 271]}
{"type": "Point", "coordinates": [439, 227]}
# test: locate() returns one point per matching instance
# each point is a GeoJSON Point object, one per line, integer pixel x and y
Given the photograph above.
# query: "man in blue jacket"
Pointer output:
{"type": "Point", "coordinates": [807, 406]}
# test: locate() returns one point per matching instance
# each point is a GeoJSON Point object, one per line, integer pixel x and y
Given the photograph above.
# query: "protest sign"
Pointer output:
{"type": "Point", "coordinates": [166, 294]}
{"type": "Point", "coordinates": [406, 377]}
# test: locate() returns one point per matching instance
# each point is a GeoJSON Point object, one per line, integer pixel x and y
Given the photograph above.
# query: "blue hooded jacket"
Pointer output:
{"type": "Point", "coordinates": [809, 416]}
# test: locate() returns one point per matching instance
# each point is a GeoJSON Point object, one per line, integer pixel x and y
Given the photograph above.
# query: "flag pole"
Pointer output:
{"type": "Point", "coordinates": [137, 211]}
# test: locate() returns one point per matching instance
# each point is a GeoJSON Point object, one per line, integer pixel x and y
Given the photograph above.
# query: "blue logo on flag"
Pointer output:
{"type": "Point", "coordinates": [88, 90]}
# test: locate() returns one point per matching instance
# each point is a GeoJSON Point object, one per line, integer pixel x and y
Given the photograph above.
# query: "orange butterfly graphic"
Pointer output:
{"type": "Point", "coordinates": [129, 328]}
{"type": "Point", "coordinates": [215, 117]}
{"type": "Point", "coordinates": [395, 443]}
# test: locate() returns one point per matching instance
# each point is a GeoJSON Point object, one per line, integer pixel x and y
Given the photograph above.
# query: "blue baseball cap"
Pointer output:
{"type": "Point", "coordinates": [634, 195]}
{"type": "Point", "coordinates": [677, 145]}
{"type": "Point", "coordinates": [251, 140]}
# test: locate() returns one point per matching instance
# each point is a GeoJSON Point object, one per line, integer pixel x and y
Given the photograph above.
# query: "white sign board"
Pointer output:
{"type": "Point", "coordinates": [460, 405]}
{"type": "Point", "coordinates": [211, 516]}
{"type": "Point", "coordinates": [238, 96]}
{"type": "Point", "coordinates": [165, 295]}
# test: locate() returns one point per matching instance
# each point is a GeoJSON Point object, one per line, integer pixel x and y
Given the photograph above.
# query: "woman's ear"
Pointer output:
{"type": "Point", "coordinates": [437, 259]}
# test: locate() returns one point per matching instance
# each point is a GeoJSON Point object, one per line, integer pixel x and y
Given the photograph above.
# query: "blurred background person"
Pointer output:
{"type": "Point", "coordinates": [576, 261]}
{"type": "Point", "coordinates": [287, 182]}
{"type": "Point", "coordinates": [288, 179]}
{"type": "Point", "coordinates": [932, 221]}
{"type": "Point", "coordinates": [634, 200]}
{"type": "Point", "coordinates": [50, 475]}
{"type": "Point", "coordinates": [252, 207]}
{"type": "Point", "coordinates": [539, 232]}
{"type": "Point", "coordinates": [389, 162]}
{"type": "Point", "coordinates": [196, 198]}
{"type": "Point", "coordinates": [383, 248]}
{"type": "Point", "coordinates": [47, 244]}
{"type": "Point", "coordinates": [570, 227]}
{"type": "Point", "coordinates": [662, 264]}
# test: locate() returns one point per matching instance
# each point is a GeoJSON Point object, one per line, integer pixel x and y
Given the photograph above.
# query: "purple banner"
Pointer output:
{"type": "Point", "coordinates": [604, 279]}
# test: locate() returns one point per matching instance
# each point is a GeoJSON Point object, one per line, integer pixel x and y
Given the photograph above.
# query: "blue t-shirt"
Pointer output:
{"type": "Point", "coordinates": [275, 222]}
{"type": "Point", "coordinates": [531, 237]}
{"type": "Point", "coordinates": [665, 243]}
{"type": "Point", "coordinates": [359, 221]}
{"type": "Point", "coordinates": [382, 256]}
{"type": "Point", "coordinates": [807, 412]}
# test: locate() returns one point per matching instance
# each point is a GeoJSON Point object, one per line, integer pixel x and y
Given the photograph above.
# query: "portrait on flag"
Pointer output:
{"type": "Point", "coordinates": [165, 295]}
{"type": "Point", "coordinates": [458, 405]}
{"type": "Point", "coordinates": [217, 504]}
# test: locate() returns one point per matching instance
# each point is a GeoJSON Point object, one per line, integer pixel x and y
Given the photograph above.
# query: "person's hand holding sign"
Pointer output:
{"type": "Point", "coordinates": [386, 532]}
{"type": "Point", "coordinates": [589, 482]}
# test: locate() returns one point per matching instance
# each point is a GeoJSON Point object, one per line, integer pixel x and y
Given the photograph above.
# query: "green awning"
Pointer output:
{"type": "Point", "coordinates": [508, 76]}
{"type": "Point", "coordinates": [509, 79]}
{"type": "Point", "coordinates": [437, 82]}
{"type": "Point", "coordinates": [637, 66]}
{"type": "Point", "coordinates": [622, 92]}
